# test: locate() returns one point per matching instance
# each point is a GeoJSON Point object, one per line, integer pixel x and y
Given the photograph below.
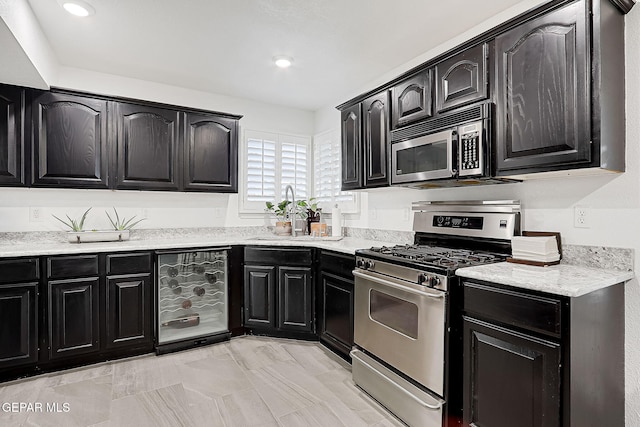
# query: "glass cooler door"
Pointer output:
{"type": "Point", "coordinates": [192, 295]}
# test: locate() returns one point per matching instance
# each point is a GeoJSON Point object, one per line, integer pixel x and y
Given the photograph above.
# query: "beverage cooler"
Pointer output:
{"type": "Point", "coordinates": [192, 298]}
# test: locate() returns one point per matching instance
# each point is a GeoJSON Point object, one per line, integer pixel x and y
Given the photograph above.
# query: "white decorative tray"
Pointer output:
{"type": "Point", "coordinates": [98, 236]}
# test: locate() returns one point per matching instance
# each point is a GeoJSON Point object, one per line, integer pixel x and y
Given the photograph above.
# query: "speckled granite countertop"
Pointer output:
{"type": "Point", "coordinates": [35, 248]}
{"type": "Point", "coordinates": [562, 279]}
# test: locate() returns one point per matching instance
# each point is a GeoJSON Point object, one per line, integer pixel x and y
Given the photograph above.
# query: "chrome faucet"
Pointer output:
{"type": "Point", "coordinates": [293, 208]}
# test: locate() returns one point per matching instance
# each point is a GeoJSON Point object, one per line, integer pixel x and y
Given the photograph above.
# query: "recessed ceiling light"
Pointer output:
{"type": "Point", "coordinates": [283, 61]}
{"type": "Point", "coordinates": [77, 7]}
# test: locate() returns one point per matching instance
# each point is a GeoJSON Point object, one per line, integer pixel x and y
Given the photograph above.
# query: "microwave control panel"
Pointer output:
{"type": "Point", "coordinates": [471, 150]}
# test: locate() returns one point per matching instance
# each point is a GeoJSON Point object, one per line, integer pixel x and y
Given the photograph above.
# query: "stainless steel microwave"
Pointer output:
{"type": "Point", "coordinates": [456, 151]}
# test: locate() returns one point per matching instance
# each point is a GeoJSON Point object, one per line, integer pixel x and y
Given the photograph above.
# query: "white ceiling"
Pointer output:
{"type": "Point", "coordinates": [226, 47]}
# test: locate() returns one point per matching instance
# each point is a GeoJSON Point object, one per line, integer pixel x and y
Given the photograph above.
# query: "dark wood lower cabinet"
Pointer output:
{"type": "Point", "coordinates": [335, 301]}
{"type": "Point", "coordinates": [295, 309]}
{"type": "Point", "coordinates": [509, 376]}
{"type": "Point", "coordinates": [74, 317]}
{"type": "Point", "coordinates": [129, 311]}
{"type": "Point", "coordinates": [18, 324]}
{"type": "Point", "coordinates": [534, 359]}
{"type": "Point", "coordinates": [259, 288]}
{"type": "Point", "coordinates": [336, 326]}
{"type": "Point", "coordinates": [278, 292]}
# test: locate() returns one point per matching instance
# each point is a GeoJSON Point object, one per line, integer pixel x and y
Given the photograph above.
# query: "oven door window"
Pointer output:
{"type": "Point", "coordinates": [394, 313]}
{"type": "Point", "coordinates": [426, 157]}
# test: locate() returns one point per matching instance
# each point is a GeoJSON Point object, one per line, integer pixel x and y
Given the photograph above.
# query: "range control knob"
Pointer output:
{"type": "Point", "coordinates": [360, 263]}
{"type": "Point", "coordinates": [422, 278]}
{"type": "Point", "coordinates": [369, 265]}
{"type": "Point", "coordinates": [433, 281]}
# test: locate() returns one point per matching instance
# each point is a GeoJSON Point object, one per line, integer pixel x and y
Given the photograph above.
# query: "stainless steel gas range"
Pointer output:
{"type": "Point", "coordinates": [407, 322]}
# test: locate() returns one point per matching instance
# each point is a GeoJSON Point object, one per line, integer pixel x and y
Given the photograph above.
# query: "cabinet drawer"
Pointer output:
{"type": "Point", "coordinates": [72, 266]}
{"type": "Point", "coordinates": [128, 263]}
{"type": "Point", "coordinates": [531, 312]}
{"type": "Point", "coordinates": [339, 264]}
{"type": "Point", "coordinates": [280, 256]}
{"type": "Point", "coordinates": [19, 270]}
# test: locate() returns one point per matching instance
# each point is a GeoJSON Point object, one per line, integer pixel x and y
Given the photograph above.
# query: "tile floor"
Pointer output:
{"type": "Point", "coordinates": [248, 381]}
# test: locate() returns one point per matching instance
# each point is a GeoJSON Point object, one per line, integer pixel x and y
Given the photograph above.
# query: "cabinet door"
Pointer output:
{"type": "Point", "coordinates": [18, 324]}
{"type": "Point", "coordinates": [509, 378]}
{"type": "Point", "coordinates": [74, 326]}
{"type": "Point", "coordinates": [542, 92]}
{"type": "Point", "coordinates": [351, 148]}
{"type": "Point", "coordinates": [148, 141]}
{"type": "Point", "coordinates": [462, 79]}
{"type": "Point", "coordinates": [259, 291]}
{"type": "Point", "coordinates": [412, 99]}
{"type": "Point", "coordinates": [295, 299]}
{"type": "Point", "coordinates": [211, 153]}
{"type": "Point", "coordinates": [69, 141]}
{"type": "Point", "coordinates": [12, 144]}
{"type": "Point", "coordinates": [336, 328]}
{"type": "Point", "coordinates": [375, 128]}
{"type": "Point", "coordinates": [129, 311]}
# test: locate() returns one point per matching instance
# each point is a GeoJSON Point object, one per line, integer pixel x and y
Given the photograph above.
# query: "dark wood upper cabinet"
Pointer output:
{"type": "Point", "coordinates": [12, 136]}
{"type": "Point", "coordinates": [147, 149]}
{"type": "Point", "coordinates": [542, 91]}
{"type": "Point", "coordinates": [210, 153]}
{"type": "Point", "coordinates": [351, 133]}
{"type": "Point", "coordinates": [412, 99]}
{"type": "Point", "coordinates": [69, 141]}
{"type": "Point", "coordinates": [375, 126]}
{"type": "Point", "coordinates": [462, 79]}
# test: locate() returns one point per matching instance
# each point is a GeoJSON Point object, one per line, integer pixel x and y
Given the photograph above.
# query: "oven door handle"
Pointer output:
{"type": "Point", "coordinates": [435, 407]}
{"type": "Point", "coordinates": [396, 286]}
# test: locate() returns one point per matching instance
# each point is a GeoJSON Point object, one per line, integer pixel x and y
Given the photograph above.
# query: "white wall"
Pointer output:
{"type": "Point", "coordinates": [613, 202]}
{"type": "Point", "coordinates": [27, 58]}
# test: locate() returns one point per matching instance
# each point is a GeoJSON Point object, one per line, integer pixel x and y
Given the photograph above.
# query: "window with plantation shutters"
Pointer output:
{"type": "Point", "coordinates": [294, 165]}
{"type": "Point", "coordinates": [271, 162]}
{"type": "Point", "coordinates": [261, 169]}
{"type": "Point", "coordinates": [327, 176]}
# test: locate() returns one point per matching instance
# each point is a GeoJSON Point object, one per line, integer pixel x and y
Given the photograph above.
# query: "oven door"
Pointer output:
{"type": "Point", "coordinates": [403, 324]}
{"type": "Point", "coordinates": [424, 158]}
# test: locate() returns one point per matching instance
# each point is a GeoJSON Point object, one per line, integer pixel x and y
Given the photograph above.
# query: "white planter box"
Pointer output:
{"type": "Point", "coordinates": [97, 236]}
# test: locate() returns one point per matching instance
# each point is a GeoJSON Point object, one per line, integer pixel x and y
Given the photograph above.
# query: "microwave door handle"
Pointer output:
{"type": "Point", "coordinates": [454, 154]}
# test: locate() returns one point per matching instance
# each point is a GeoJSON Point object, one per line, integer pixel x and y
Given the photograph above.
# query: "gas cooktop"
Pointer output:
{"type": "Point", "coordinates": [432, 256]}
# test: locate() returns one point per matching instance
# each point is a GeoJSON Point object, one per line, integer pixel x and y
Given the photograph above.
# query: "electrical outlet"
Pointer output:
{"type": "Point", "coordinates": [373, 214]}
{"type": "Point", "coordinates": [218, 212]}
{"type": "Point", "coordinates": [35, 214]}
{"type": "Point", "coordinates": [581, 217]}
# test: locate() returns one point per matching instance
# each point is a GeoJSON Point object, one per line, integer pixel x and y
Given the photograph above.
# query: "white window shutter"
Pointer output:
{"type": "Point", "coordinates": [327, 174]}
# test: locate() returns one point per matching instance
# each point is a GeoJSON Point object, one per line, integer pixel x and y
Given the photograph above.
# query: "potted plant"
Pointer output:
{"type": "Point", "coordinates": [309, 212]}
{"type": "Point", "coordinates": [76, 225]}
{"type": "Point", "coordinates": [283, 225]}
{"type": "Point", "coordinates": [124, 223]}
{"type": "Point", "coordinates": [77, 234]}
